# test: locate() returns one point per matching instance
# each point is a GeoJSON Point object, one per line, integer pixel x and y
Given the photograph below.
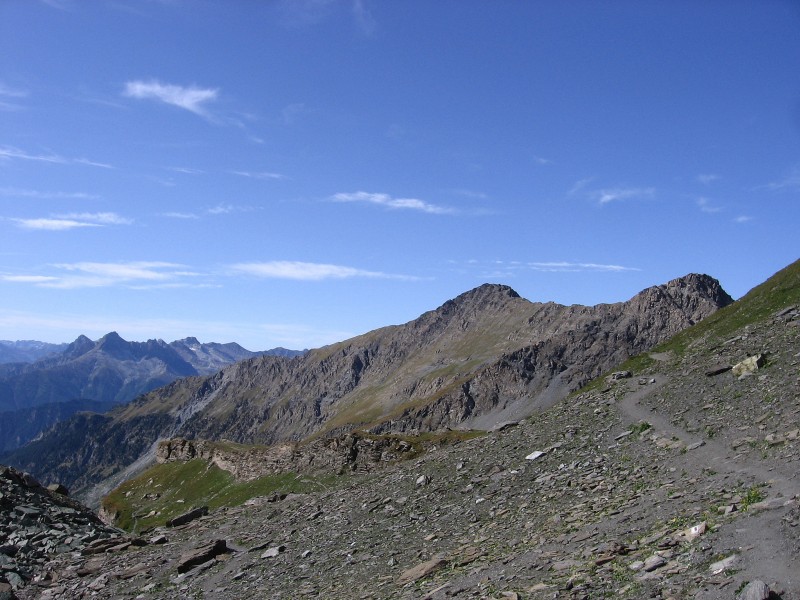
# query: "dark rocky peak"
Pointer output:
{"type": "Point", "coordinates": [486, 296]}
{"type": "Point", "coordinates": [189, 341]}
{"type": "Point", "coordinates": [695, 296]}
{"type": "Point", "coordinates": [79, 347]}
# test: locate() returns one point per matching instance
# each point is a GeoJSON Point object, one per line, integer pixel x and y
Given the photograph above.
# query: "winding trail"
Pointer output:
{"type": "Point", "coordinates": [764, 548]}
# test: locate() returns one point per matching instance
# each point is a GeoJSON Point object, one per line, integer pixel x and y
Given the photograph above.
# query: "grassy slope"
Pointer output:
{"type": "Point", "coordinates": [168, 490]}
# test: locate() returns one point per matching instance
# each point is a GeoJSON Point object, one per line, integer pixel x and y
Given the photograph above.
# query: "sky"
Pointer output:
{"type": "Point", "coordinates": [295, 173]}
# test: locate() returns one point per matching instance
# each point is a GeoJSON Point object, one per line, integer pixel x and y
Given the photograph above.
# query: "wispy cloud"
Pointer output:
{"type": "Point", "coordinates": [561, 266]}
{"type": "Point", "coordinates": [40, 195]}
{"type": "Point", "coordinates": [9, 152]}
{"type": "Point", "coordinates": [138, 275]}
{"type": "Point", "coordinates": [579, 186]}
{"type": "Point", "coordinates": [605, 196]}
{"type": "Point", "coordinates": [52, 224]}
{"type": "Point", "coordinates": [707, 178]}
{"type": "Point", "coordinates": [292, 112]}
{"type": "Point", "coordinates": [180, 215]}
{"type": "Point", "coordinates": [540, 160]}
{"type": "Point", "coordinates": [92, 163]}
{"type": "Point", "coordinates": [393, 203]}
{"type": "Point", "coordinates": [191, 98]}
{"type": "Point", "coordinates": [790, 182]}
{"type": "Point", "coordinates": [305, 271]}
{"type": "Point", "coordinates": [225, 209]}
{"type": "Point", "coordinates": [258, 174]}
{"type": "Point", "coordinates": [9, 97]}
{"type": "Point", "coordinates": [101, 218]}
{"type": "Point", "coordinates": [706, 206]}
{"type": "Point", "coordinates": [186, 170]}
{"type": "Point", "coordinates": [742, 219]}
{"type": "Point", "coordinates": [308, 13]}
{"type": "Point", "coordinates": [363, 18]}
{"type": "Point", "coordinates": [72, 221]}
{"type": "Point", "coordinates": [511, 268]}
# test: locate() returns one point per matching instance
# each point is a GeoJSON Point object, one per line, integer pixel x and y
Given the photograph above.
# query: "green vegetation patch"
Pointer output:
{"type": "Point", "coordinates": [168, 490]}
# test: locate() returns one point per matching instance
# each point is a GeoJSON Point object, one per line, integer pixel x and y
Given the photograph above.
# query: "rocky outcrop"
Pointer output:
{"type": "Point", "coordinates": [348, 453]}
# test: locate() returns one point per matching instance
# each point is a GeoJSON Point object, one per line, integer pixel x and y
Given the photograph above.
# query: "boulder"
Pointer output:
{"type": "Point", "coordinates": [201, 555]}
{"type": "Point", "coordinates": [755, 590]}
{"type": "Point", "coordinates": [751, 364]}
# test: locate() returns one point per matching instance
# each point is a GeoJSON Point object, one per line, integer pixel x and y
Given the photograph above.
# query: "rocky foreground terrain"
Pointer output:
{"type": "Point", "coordinates": [676, 476]}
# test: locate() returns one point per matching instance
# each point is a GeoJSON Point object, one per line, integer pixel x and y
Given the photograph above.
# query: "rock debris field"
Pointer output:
{"type": "Point", "coordinates": [680, 481]}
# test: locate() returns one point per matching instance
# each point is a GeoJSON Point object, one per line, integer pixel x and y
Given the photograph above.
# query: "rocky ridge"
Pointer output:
{"type": "Point", "coordinates": [484, 357]}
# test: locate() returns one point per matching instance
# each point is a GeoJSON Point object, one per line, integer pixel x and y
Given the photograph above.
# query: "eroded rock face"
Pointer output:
{"type": "Point", "coordinates": [347, 453]}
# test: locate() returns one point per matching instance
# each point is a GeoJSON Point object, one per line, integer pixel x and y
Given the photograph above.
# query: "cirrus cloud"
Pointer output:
{"type": "Point", "coordinates": [190, 98]}
{"type": "Point", "coordinates": [72, 221]}
{"type": "Point", "coordinates": [134, 274]}
{"type": "Point", "coordinates": [392, 203]}
{"type": "Point", "coordinates": [306, 271]}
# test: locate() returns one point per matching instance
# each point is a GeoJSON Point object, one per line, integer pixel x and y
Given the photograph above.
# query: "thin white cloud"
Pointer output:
{"type": "Point", "coordinates": [258, 174]}
{"type": "Point", "coordinates": [579, 186]}
{"type": "Point", "coordinates": [180, 215]}
{"type": "Point", "coordinates": [509, 268]}
{"type": "Point", "coordinates": [560, 266]}
{"type": "Point", "coordinates": [705, 205]}
{"type": "Point", "coordinates": [605, 196]}
{"type": "Point", "coordinates": [393, 203]}
{"type": "Point", "coordinates": [471, 194]}
{"type": "Point", "coordinates": [363, 17]}
{"type": "Point", "coordinates": [186, 170]}
{"type": "Point", "coordinates": [742, 219]}
{"type": "Point", "coordinates": [790, 182]}
{"type": "Point", "coordinates": [135, 275]}
{"type": "Point", "coordinates": [9, 96]}
{"type": "Point", "coordinates": [707, 178]}
{"type": "Point", "coordinates": [52, 224]}
{"type": "Point", "coordinates": [540, 160]}
{"type": "Point", "coordinates": [93, 163]}
{"type": "Point", "coordinates": [305, 271]}
{"type": "Point", "coordinates": [27, 278]}
{"type": "Point", "coordinates": [223, 209]}
{"type": "Point", "coordinates": [10, 92]}
{"type": "Point", "coordinates": [9, 152]}
{"type": "Point", "coordinates": [40, 195]}
{"type": "Point", "coordinates": [189, 98]}
{"type": "Point", "coordinates": [101, 218]}
{"type": "Point", "coordinates": [72, 221]}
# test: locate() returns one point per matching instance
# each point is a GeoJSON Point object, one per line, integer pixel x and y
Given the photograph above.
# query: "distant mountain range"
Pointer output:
{"type": "Point", "coordinates": [26, 351]}
{"type": "Point", "coordinates": [478, 360]}
{"type": "Point", "coordinates": [46, 383]}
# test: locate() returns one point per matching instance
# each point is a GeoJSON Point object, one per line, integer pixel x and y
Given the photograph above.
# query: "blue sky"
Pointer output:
{"type": "Point", "coordinates": [295, 173]}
